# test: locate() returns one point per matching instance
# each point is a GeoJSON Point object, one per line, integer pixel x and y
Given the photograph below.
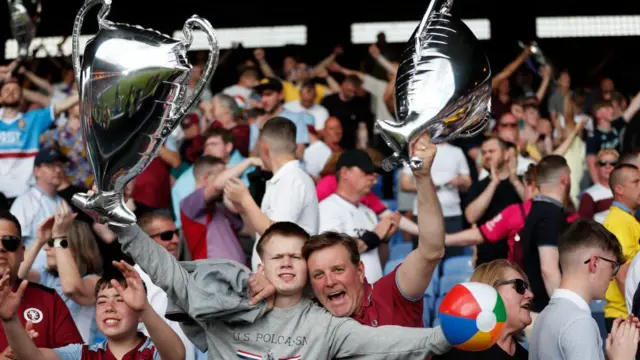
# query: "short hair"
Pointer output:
{"type": "Point", "coordinates": [550, 168]}
{"type": "Point", "coordinates": [331, 238]}
{"type": "Point", "coordinates": [105, 282]}
{"type": "Point", "coordinates": [249, 72]}
{"type": "Point", "coordinates": [587, 233]}
{"type": "Point", "coordinates": [529, 105]}
{"type": "Point", "coordinates": [308, 84]}
{"type": "Point", "coordinates": [599, 105]}
{"type": "Point", "coordinates": [226, 135]}
{"type": "Point", "coordinates": [617, 97]}
{"type": "Point", "coordinates": [7, 216]}
{"type": "Point", "coordinates": [353, 79]}
{"type": "Point", "coordinates": [504, 145]}
{"type": "Point", "coordinates": [604, 152]}
{"type": "Point", "coordinates": [230, 104]}
{"type": "Point", "coordinates": [145, 220]}
{"type": "Point", "coordinates": [617, 175]}
{"type": "Point", "coordinates": [629, 158]}
{"type": "Point", "coordinates": [280, 133]}
{"type": "Point", "coordinates": [283, 228]}
{"type": "Point", "coordinates": [531, 175]}
{"type": "Point", "coordinates": [205, 162]}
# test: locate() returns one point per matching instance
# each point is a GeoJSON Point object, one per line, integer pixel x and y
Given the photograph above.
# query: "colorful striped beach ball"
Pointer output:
{"type": "Point", "coordinates": [472, 316]}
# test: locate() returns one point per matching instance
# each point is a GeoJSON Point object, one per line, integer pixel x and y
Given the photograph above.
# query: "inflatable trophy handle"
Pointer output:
{"type": "Point", "coordinates": [212, 61]}
{"type": "Point", "coordinates": [77, 26]}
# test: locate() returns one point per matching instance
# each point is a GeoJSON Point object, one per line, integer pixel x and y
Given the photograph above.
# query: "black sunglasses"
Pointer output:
{"type": "Point", "coordinates": [520, 285]}
{"type": "Point", "coordinates": [167, 235]}
{"type": "Point", "coordinates": [616, 265]}
{"type": "Point", "coordinates": [11, 243]}
{"type": "Point", "coordinates": [604, 163]}
{"type": "Point", "coordinates": [511, 125]}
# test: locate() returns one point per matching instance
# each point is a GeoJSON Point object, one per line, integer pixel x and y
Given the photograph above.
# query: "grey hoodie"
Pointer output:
{"type": "Point", "coordinates": [306, 331]}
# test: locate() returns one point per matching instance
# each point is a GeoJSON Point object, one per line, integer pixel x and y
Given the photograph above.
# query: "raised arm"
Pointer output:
{"type": "Point", "coordinates": [511, 68]}
{"type": "Point", "coordinates": [262, 63]}
{"type": "Point", "coordinates": [544, 85]}
{"type": "Point", "coordinates": [37, 81]}
{"type": "Point", "coordinates": [415, 272]}
{"type": "Point", "coordinates": [632, 109]}
{"type": "Point", "coordinates": [479, 205]}
{"type": "Point", "coordinates": [66, 104]}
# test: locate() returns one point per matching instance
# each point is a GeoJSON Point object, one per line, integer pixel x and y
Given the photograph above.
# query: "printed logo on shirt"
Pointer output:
{"type": "Point", "coordinates": [492, 223]}
{"type": "Point", "coordinates": [10, 137]}
{"type": "Point", "coordinates": [22, 124]}
{"type": "Point", "coordinates": [34, 315]}
{"type": "Point", "coordinates": [269, 356]}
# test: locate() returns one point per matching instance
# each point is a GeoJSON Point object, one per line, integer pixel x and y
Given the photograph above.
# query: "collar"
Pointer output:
{"type": "Point", "coordinates": [548, 199]}
{"type": "Point", "coordinates": [366, 300]}
{"type": "Point", "coordinates": [19, 115]}
{"type": "Point", "coordinates": [623, 207]}
{"type": "Point", "coordinates": [38, 189]}
{"type": "Point", "coordinates": [571, 296]}
{"type": "Point", "coordinates": [284, 169]}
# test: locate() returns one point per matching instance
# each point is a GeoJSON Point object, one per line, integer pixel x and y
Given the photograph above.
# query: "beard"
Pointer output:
{"type": "Point", "coordinates": [13, 104]}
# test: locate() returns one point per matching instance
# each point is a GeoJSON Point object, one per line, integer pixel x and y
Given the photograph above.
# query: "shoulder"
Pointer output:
{"type": "Point", "coordinates": [329, 203]}
{"type": "Point", "coordinates": [40, 289]}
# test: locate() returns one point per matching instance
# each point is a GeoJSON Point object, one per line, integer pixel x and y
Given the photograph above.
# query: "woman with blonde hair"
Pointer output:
{"type": "Point", "coordinates": [73, 266]}
{"type": "Point", "coordinates": [512, 285]}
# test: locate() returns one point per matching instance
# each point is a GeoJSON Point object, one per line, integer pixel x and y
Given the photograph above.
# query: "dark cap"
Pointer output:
{"type": "Point", "coordinates": [358, 158]}
{"type": "Point", "coordinates": [48, 156]}
{"type": "Point", "coordinates": [190, 119]}
{"type": "Point", "coordinates": [269, 83]}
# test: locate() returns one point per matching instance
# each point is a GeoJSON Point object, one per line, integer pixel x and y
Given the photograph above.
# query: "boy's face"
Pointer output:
{"type": "Point", "coordinates": [283, 264]}
{"type": "Point", "coordinates": [113, 317]}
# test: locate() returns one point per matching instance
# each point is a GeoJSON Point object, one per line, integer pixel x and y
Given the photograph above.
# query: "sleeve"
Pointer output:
{"type": "Point", "coordinates": [411, 309]}
{"type": "Point", "coordinates": [193, 205]}
{"type": "Point", "coordinates": [587, 206]}
{"type": "Point", "coordinates": [171, 144]}
{"type": "Point", "coordinates": [498, 228]}
{"type": "Point", "coordinates": [65, 331]}
{"type": "Point", "coordinates": [216, 289]}
{"type": "Point", "coordinates": [373, 202]}
{"type": "Point", "coordinates": [69, 352]}
{"type": "Point", "coordinates": [374, 85]}
{"type": "Point", "coordinates": [253, 136]}
{"type": "Point", "coordinates": [330, 220]}
{"type": "Point", "coordinates": [323, 115]}
{"type": "Point", "coordinates": [349, 339]}
{"type": "Point", "coordinates": [41, 118]}
{"type": "Point", "coordinates": [581, 340]}
{"type": "Point", "coordinates": [289, 211]}
{"type": "Point", "coordinates": [619, 124]}
{"type": "Point", "coordinates": [593, 145]}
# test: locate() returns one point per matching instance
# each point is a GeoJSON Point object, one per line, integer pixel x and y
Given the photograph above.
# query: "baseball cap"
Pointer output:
{"type": "Point", "coordinates": [358, 158]}
{"type": "Point", "coordinates": [269, 83]}
{"type": "Point", "coordinates": [48, 156]}
{"type": "Point", "coordinates": [190, 119]}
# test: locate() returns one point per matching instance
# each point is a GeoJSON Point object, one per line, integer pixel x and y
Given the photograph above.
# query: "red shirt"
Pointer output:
{"type": "Point", "coordinates": [50, 317]}
{"type": "Point", "coordinates": [153, 185]}
{"type": "Point", "coordinates": [384, 304]}
{"type": "Point", "coordinates": [145, 350]}
{"type": "Point", "coordinates": [241, 134]}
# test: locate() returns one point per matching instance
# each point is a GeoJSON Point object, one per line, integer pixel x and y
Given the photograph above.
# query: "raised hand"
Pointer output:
{"type": "Point", "coordinates": [423, 149]}
{"type": "Point", "coordinates": [260, 289]}
{"type": "Point", "coordinates": [44, 231]}
{"type": "Point", "coordinates": [134, 295]}
{"type": "Point", "coordinates": [622, 341]}
{"type": "Point", "coordinates": [63, 219]}
{"type": "Point", "coordinates": [9, 300]}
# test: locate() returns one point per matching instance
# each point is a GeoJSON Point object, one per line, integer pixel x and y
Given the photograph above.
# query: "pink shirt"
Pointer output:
{"type": "Point", "coordinates": [507, 224]}
{"type": "Point", "coordinates": [328, 185]}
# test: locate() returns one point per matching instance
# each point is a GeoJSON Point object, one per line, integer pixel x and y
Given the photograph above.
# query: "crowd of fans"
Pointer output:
{"type": "Point", "coordinates": [281, 172]}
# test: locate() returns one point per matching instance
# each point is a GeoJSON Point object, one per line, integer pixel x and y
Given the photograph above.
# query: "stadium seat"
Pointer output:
{"type": "Point", "coordinates": [400, 251]}
{"type": "Point", "coordinates": [458, 265]}
{"type": "Point", "coordinates": [433, 288]}
{"type": "Point", "coordinates": [467, 251]}
{"type": "Point", "coordinates": [436, 319]}
{"type": "Point", "coordinates": [428, 305]}
{"type": "Point", "coordinates": [449, 281]}
{"type": "Point", "coordinates": [391, 264]}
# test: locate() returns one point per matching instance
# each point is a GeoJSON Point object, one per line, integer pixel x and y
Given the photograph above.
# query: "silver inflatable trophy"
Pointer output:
{"type": "Point", "coordinates": [539, 60]}
{"type": "Point", "coordinates": [443, 86]}
{"type": "Point", "coordinates": [24, 18]}
{"type": "Point", "coordinates": [132, 85]}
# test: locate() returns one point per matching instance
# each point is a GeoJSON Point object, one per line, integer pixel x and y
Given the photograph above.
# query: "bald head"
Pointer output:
{"type": "Point", "coordinates": [631, 158]}
{"type": "Point", "coordinates": [625, 184]}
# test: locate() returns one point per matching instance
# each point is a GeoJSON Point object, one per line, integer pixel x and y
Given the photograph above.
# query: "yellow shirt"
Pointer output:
{"type": "Point", "coordinates": [627, 229]}
{"type": "Point", "coordinates": [292, 93]}
{"type": "Point", "coordinates": [534, 154]}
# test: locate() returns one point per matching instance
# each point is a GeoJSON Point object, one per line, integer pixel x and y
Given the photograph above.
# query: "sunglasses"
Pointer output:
{"type": "Point", "coordinates": [604, 163]}
{"type": "Point", "coordinates": [511, 125]}
{"type": "Point", "coordinates": [520, 285]}
{"type": "Point", "coordinates": [167, 235]}
{"type": "Point", "coordinates": [11, 243]}
{"type": "Point", "coordinates": [616, 265]}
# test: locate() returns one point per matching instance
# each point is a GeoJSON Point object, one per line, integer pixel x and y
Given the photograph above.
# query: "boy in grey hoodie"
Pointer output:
{"type": "Point", "coordinates": [295, 329]}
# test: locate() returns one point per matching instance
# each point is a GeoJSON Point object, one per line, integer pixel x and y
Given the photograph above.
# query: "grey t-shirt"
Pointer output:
{"type": "Point", "coordinates": [565, 330]}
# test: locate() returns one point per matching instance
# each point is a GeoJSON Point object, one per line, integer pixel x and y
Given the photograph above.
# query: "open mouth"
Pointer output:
{"type": "Point", "coordinates": [526, 306]}
{"type": "Point", "coordinates": [287, 277]}
{"type": "Point", "coordinates": [111, 322]}
{"type": "Point", "coordinates": [336, 296]}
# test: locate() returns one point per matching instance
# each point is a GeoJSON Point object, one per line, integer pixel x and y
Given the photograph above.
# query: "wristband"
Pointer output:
{"type": "Point", "coordinates": [371, 239]}
{"type": "Point", "coordinates": [60, 242]}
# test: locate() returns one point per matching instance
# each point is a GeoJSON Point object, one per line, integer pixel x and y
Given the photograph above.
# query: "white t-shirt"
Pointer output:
{"type": "Point", "coordinates": [158, 300]}
{"type": "Point", "coordinates": [319, 112]}
{"type": "Point", "coordinates": [316, 157]}
{"type": "Point", "coordinates": [240, 93]}
{"type": "Point", "coordinates": [449, 163]}
{"type": "Point", "coordinates": [290, 196]}
{"type": "Point", "coordinates": [337, 214]}
{"type": "Point", "coordinates": [377, 88]}
{"type": "Point", "coordinates": [631, 281]}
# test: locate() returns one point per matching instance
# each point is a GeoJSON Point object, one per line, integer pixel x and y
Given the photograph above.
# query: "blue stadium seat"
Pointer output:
{"type": "Point", "coordinates": [391, 264]}
{"type": "Point", "coordinates": [433, 288]}
{"type": "Point", "coordinates": [597, 312]}
{"type": "Point", "coordinates": [436, 319]}
{"type": "Point", "coordinates": [467, 251]}
{"type": "Point", "coordinates": [458, 265]}
{"type": "Point", "coordinates": [377, 187]}
{"type": "Point", "coordinates": [449, 281]}
{"type": "Point", "coordinates": [428, 304]}
{"type": "Point", "coordinates": [400, 251]}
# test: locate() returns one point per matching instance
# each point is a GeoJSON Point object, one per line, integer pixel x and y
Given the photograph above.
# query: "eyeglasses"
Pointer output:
{"type": "Point", "coordinates": [11, 243]}
{"type": "Point", "coordinates": [167, 235]}
{"type": "Point", "coordinates": [604, 163]}
{"type": "Point", "coordinates": [616, 265]}
{"type": "Point", "coordinates": [520, 285]}
{"type": "Point", "coordinates": [511, 125]}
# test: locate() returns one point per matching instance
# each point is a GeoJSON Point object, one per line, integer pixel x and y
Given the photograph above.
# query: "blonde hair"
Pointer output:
{"type": "Point", "coordinates": [604, 152]}
{"type": "Point", "coordinates": [84, 246]}
{"type": "Point", "coordinates": [493, 272]}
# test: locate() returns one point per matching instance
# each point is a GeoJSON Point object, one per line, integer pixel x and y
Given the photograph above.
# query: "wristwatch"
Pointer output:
{"type": "Point", "coordinates": [60, 242]}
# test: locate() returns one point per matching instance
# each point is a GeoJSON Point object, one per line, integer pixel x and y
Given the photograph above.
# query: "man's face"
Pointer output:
{"type": "Point", "coordinates": [564, 80]}
{"type": "Point", "coordinates": [302, 72]}
{"type": "Point", "coordinates": [359, 181]}
{"type": "Point", "coordinates": [336, 282]}
{"type": "Point", "coordinates": [531, 116]}
{"type": "Point", "coordinates": [307, 95]}
{"type": "Point", "coordinates": [215, 146]}
{"type": "Point", "coordinates": [508, 129]}
{"type": "Point", "coordinates": [270, 100]}
{"type": "Point", "coordinates": [288, 64]}
{"type": "Point", "coordinates": [349, 90]}
{"type": "Point", "coordinates": [605, 113]}
{"type": "Point", "coordinates": [630, 187]}
{"type": "Point", "coordinates": [492, 154]}
{"type": "Point", "coordinates": [10, 95]}
{"type": "Point", "coordinates": [113, 317]}
{"type": "Point", "coordinates": [163, 231]}
{"type": "Point", "coordinates": [50, 173]}
{"type": "Point", "coordinates": [332, 131]}
{"type": "Point", "coordinates": [283, 265]}
{"type": "Point", "coordinates": [10, 260]}
{"type": "Point", "coordinates": [196, 73]}
{"type": "Point", "coordinates": [606, 164]}
{"type": "Point", "coordinates": [607, 87]}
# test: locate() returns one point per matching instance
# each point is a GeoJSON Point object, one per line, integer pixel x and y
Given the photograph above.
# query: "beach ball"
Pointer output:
{"type": "Point", "coordinates": [472, 316]}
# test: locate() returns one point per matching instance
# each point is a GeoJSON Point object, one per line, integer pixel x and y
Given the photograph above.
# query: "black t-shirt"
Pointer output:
{"type": "Point", "coordinates": [606, 139]}
{"type": "Point", "coordinates": [350, 113]}
{"type": "Point", "coordinates": [493, 353]}
{"type": "Point", "coordinates": [504, 196]}
{"type": "Point", "coordinates": [67, 195]}
{"type": "Point", "coordinates": [543, 226]}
